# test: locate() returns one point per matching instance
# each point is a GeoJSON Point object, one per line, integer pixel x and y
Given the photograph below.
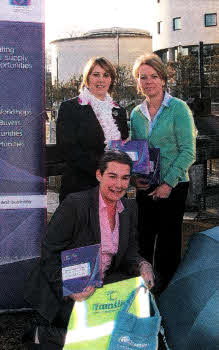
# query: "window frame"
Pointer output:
{"type": "Point", "coordinates": [159, 27]}
{"type": "Point", "coordinates": [174, 26]}
{"type": "Point", "coordinates": [205, 19]}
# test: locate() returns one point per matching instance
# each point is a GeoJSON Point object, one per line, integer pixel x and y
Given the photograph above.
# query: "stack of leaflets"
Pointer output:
{"type": "Point", "coordinates": [153, 178]}
{"type": "Point", "coordinates": [137, 151]}
{"type": "Point", "coordinates": [81, 267]}
{"type": "Point", "coordinates": [146, 161]}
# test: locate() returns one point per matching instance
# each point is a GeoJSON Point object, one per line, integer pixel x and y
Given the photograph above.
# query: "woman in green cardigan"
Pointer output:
{"type": "Point", "coordinates": [167, 123]}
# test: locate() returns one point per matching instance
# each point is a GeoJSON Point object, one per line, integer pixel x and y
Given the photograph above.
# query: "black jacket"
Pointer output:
{"type": "Point", "coordinates": [80, 140]}
{"type": "Point", "coordinates": [75, 224]}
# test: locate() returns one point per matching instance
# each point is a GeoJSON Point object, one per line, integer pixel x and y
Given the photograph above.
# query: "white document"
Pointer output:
{"type": "Point", "coordinates": [76, 271]}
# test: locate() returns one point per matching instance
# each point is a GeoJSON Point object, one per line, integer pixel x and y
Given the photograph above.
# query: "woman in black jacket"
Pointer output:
{"type": "Point", "coordinates": [86, 123]}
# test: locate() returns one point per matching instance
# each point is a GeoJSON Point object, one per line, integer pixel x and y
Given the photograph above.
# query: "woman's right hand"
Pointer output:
{"type": "Point", "coordinates": [87, 292]}
{"type": "Point", "coordinates": [162, 191]}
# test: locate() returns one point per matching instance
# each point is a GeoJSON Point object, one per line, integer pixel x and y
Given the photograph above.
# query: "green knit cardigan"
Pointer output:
{"type": "Point", "coordinates": [174, 133]}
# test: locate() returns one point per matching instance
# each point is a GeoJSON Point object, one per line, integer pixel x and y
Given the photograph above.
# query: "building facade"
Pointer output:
{"type": "Point", "coordinates": [119, 45]}
{"type": "Point", "coordinates": [180, 27]}
{"type": "Point", "coordinates": [182, 24]}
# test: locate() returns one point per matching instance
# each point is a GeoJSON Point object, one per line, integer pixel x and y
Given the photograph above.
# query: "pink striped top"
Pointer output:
{"type": "Point", "coordinates": [109, 239]}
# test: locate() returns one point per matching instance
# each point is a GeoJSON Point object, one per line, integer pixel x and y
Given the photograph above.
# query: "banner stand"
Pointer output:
{"type": "Point", "coordinates": [22, 112]}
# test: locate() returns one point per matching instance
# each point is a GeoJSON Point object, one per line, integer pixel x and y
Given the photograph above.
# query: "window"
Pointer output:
{"type": "Point", "coordinates": [164, 57]}
{"type": "Point", "coordinates": [177, 23]}
{"type": "Point", "coordinates": [210, 19]}
{"type": "Point", "coordinates": [175, 55]}
{"type": "Point", "coordinates": [185, 51]}
{"type": "Point", "coordinates": [158, 27]}
{"type": "Point", "coordinates": [194, 51]}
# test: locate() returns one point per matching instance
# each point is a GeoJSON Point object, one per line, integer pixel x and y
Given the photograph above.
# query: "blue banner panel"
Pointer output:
{"type": "Point", "coordinates": [13, 277]}
{"type": "Point", "coordinates": [22, 106]}
{"type": "Point", "coordinates": [22, 182]}
{"type": "Point", "coordinates": [20, 234]}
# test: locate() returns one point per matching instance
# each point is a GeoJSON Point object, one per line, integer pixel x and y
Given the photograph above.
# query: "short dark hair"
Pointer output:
{"type": "Point", "coordinates": [114, 156]}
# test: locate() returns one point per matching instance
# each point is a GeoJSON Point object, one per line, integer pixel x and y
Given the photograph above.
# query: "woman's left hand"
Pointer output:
{"type": "Point", "coordinates": [162, 191]}
{"type": "Point", "coordinates": [126, 140]}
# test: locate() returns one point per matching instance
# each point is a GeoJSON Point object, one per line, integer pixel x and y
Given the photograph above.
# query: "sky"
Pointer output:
{"type": "Point", "coordinates": [65, 17]}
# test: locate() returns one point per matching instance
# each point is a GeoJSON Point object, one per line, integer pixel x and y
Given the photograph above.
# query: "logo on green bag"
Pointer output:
{"type": "Point", "coordinates": [108, 306]}
{"type": "Point", "coordinates": [112, 294]}
{"type": "Point", "coordinates": [126, 339]}
{"type": "Point", "coordinates": [113, 304]}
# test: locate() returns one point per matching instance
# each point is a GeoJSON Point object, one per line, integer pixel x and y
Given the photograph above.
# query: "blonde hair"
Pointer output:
{"type": "Point", "coordinates": [103, 63]}
{"type": "Point", "coordinates": [153, 61]}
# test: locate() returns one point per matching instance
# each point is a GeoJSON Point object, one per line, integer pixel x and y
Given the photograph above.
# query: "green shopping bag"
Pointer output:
{"type": "Point", "coordinates": [92, 321]}
{"type": "Point", "coordinates": [132, 332]}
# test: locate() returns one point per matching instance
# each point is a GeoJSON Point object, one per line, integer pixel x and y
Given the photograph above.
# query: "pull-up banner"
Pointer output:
{"type": "Point", "coordinates": [22, 183]}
